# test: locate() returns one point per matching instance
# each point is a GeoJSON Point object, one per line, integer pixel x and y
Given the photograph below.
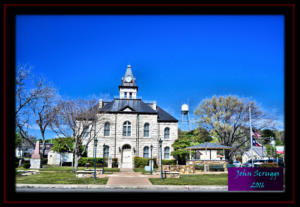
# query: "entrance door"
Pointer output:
{"type": "Point", "coordinates": [127, 157]}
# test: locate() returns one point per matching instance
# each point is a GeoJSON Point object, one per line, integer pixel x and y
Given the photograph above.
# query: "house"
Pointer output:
{"type": "Point", "coordinates": [132, 126]}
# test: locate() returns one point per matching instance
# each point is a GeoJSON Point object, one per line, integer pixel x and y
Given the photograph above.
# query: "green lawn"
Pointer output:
{"type": "Point", "coordinates": [206, 179]}
{"type": "Point", "coordinates": [57, 177]}
{"type": "Point", "coordinates": [69, 169]}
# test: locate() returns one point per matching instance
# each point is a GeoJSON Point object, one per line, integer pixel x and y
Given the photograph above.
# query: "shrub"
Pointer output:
{"type": "Point", "coordinates": [199, 167]}
{"type": "Point", "coordinates": [155, 162]}
{"type": "Point", "coordinates": [269, 165]}
{"type": "Point", "coordinates": [114, 162]}
{"type": "Point", "coordinates": [169, 162]}
{"type": "Point", "coordinates": [140, 162]}
{"type": "Point", "coordinates": [26, 165]}
{"type": "Point", "coordinates": [67, 164]}
{"type": "Point", "coordinates": [83, 160]}
{"type": "Point", "coordinates": [44, 161]}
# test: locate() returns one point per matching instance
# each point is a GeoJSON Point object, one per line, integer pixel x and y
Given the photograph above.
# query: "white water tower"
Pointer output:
{"type": "Point", "coordinates": [185, 118]}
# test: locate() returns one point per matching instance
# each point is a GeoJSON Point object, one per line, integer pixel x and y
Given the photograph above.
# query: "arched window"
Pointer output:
{"type": "Point", "coordinates": [127, 128]}
{"type": "Point", "coordinates": [167, 152]}
{"type": "Point", "coordinates": [167, 133]}
{"type": "Point", "coordinates": [106, 151]}
{"type": "Point", "coordinates": [146, 152]}
{"type": "Point", "coordinates": [146, 130]}
{"type": "Point", "coordinates": [106, 129]}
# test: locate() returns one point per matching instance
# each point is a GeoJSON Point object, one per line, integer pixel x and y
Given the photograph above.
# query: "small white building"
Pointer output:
{"type": "Point", "coordinates": [208, 151]}
{"type": "Point", "coordinates": [55, 158]}
{"type": "Point", "coordinates": [258, 153]}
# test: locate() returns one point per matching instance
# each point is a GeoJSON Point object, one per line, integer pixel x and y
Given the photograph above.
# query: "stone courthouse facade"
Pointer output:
{"type": "Point", "coordinates": [128, 127]}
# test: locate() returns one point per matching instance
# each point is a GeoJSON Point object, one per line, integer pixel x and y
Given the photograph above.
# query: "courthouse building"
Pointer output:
{"type": "Point", "coordinates": [128, 126]}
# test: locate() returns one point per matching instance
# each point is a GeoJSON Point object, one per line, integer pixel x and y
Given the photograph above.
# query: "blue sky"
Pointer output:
{"type": "Point", "coordinates": [176, 59]}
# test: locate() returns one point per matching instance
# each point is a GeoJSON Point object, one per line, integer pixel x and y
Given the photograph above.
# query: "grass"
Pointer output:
{"type": "Point", "coordinates": [57, 177]}
{"type": "Point", "coordinates": [206, 179]}
{"type": "Point", "coordinates": [69, 169]}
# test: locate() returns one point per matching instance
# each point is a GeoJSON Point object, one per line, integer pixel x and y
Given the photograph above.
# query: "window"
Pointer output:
{"type": "Point", "coordinates": [106, 151]}
{"type": "Point", "coordinates": [167, 133]}
{"type": "Point", "coordinates": [146, 152]}
{"type": "Point", "coordinates": [106, 129]}
{"type": "Point", "coordinates": [125, 94]}
{"type": "Point", "coordinates": [167, 152]}
{"type": "Point", "coordinates": [130, 95]}
{"type": "Point", "coordinates": [127, 128]}
{"type": "Point", "coordinates": [146, 130]}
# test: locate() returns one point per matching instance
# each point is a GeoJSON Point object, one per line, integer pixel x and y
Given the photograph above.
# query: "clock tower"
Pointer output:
{"type": "Point", "coordinates": [128, 88]}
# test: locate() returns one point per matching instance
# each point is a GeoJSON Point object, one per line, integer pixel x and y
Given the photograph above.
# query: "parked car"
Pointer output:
{"type": "Point", "coordinates": [237, 163]}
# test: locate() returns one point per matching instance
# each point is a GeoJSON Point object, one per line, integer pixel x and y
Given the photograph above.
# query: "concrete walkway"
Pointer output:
{"type": "Point", "coordinates": [126, 177]}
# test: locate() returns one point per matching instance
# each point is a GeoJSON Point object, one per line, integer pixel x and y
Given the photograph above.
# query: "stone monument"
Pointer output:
{"type": "Point", "coordinates": [35, 161]}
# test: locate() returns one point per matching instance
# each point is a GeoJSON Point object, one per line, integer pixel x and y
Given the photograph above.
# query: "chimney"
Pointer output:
{"type": "Point", "coordinates": [100, 103]}
{"type": "Point", "coordinates": [154, 105]}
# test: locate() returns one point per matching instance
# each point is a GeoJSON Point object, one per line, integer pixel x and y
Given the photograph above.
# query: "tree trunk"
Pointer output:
{"type": "Point", "coordinates": [76, 162]}
{"type": "Point", "coordinates": [228, 156]}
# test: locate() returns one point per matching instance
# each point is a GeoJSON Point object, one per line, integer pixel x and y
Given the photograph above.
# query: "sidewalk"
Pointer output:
{"type": "Point", "coordinates": [129, 178]}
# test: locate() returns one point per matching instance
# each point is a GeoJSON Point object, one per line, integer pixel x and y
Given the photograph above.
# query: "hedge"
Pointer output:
{"type": "Point", "coordinates": [140, 162]}
{"type": "Point", "coordinates": [169, 162]}
{"type": "Point", "coordinates": [84, 160]}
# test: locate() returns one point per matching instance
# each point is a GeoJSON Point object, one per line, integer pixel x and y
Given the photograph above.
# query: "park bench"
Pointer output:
{"type": "Point", "coordinates": [216, 168]}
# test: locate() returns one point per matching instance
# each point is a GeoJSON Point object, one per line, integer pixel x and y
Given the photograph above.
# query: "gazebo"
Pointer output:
{"type": "Point", "coordinates": [207, 151]}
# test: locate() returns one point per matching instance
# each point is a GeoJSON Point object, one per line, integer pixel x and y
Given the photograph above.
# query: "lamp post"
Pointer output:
{"type": "Point", "coordinates": [161, 168]}
{"type": "Point", "coordinates": [103, 160]}
{"type": "Point", "coordinates": [95, 149]}
{"type": "Point", "coordinates": [151, 147]}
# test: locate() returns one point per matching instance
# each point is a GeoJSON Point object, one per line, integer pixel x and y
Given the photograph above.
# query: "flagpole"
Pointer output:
{"type": "Point", "coordinates": [251, 135]}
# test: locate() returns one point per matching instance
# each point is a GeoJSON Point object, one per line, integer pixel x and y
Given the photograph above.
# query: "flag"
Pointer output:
{"type": "Point", "coordinates": [256, 134]}
{"type": "Point", "coordinates": [255, 143]}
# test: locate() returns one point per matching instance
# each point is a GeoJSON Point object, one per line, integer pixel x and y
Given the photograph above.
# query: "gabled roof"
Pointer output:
{"type": "Point", "coordinates": [164, 116]}
{"type": "Point", "coordinates": [137, 106]}
{"type": "Point", "coordinates": [208, 145]}
{"type": "Point", "coordinates": [117, 105]}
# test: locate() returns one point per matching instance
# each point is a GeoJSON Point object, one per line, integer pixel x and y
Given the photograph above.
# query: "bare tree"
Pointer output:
{"type": "Point", "coordinates": [228, 118]}
{"type": "Point", "coordinates": [42, 108]}
{"type": "Point", "coordinates": [24, 98]}
{"type": "Point", "coordinates": [77, 119]}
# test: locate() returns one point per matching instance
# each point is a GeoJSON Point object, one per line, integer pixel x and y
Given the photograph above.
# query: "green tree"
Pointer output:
{"type": "Point", "coordinates": [266, 135]}
{"type": "Point", "coordinates": [18, 142]}
{"type": "Point", "coordinates": [187, 139]}
{"type": "Point", "coordinates": [228, 117]}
